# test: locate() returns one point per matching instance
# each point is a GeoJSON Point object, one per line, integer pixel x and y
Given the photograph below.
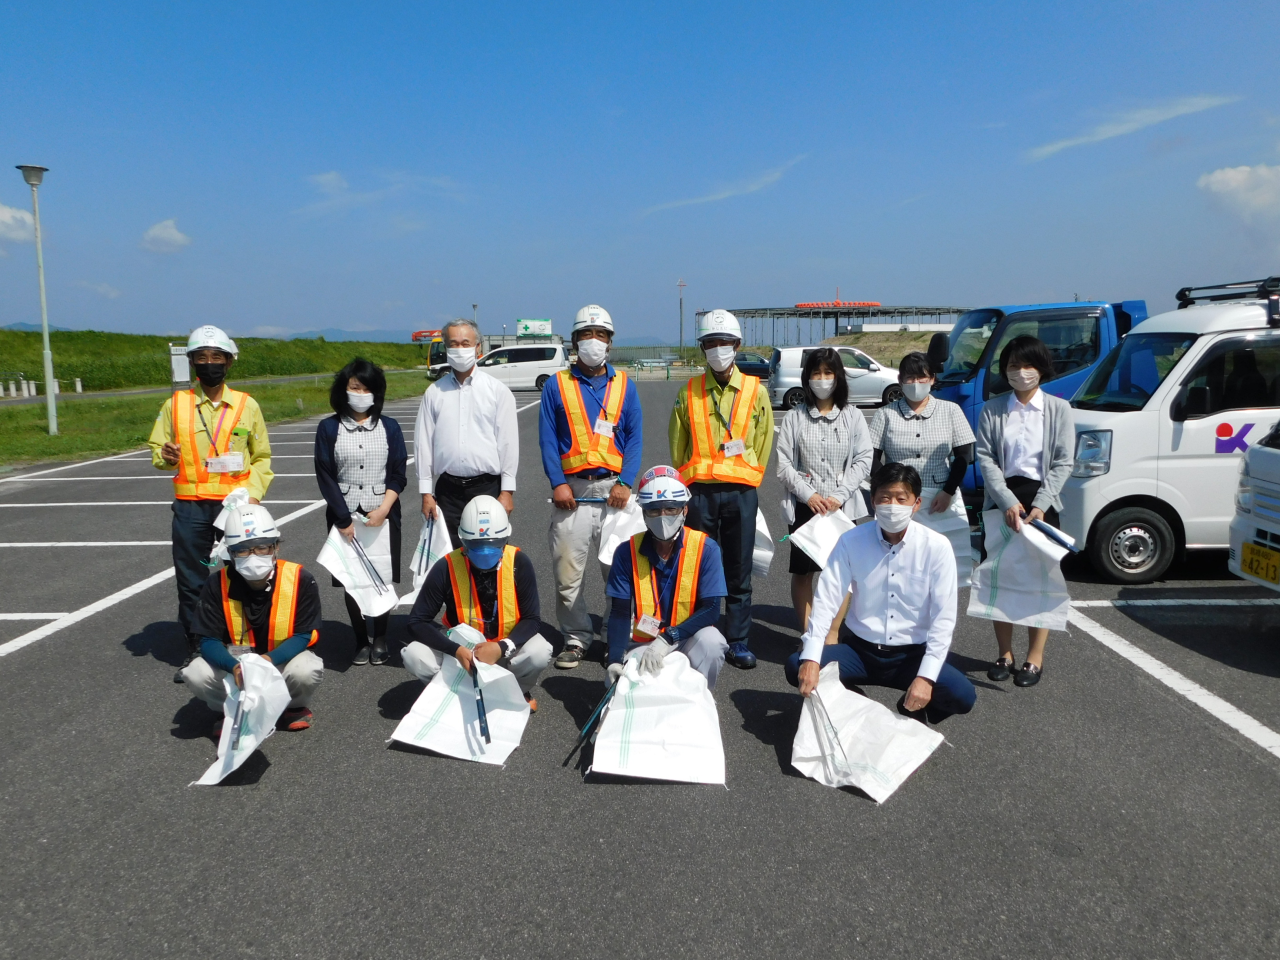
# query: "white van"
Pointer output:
{"type": "Point", "coordinates": [1162, 424]}
{"type": "Point", "coordinates": [869, 382]}
{"type": "Point", "coordinates": [525, 367]}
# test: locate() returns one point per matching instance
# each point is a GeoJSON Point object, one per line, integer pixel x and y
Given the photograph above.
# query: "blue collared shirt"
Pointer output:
{"type": "Point", "coordinates": [554, 437]}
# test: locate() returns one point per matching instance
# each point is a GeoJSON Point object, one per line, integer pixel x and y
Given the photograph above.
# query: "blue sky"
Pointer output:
{"type": "Point", "coordinates": [275, 167]}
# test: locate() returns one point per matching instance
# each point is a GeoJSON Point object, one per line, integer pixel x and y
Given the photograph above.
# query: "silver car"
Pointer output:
{"type": "Point", "coordinates": [870, 384]}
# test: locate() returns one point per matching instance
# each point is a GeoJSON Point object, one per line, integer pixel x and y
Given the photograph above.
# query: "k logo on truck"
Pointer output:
{"type": "Point", "coordinates": [1230, 440]}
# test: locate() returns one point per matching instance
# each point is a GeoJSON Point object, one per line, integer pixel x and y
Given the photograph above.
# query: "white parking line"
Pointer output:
{"type": "Point", "coordinates": [67, 466]}
{"type": "Point", "coordinates": [89, 543]}
{"type": "Point", "coordinates": [126, 503]}
{"type": "Point", "coordinates": [528, 405]}
{"type": "Point", "coordinates": [119, 596]}
{"type": "Point", "coordinates": [1211, 703]}
{"type": "Point", "coordinates": [1268, 602]}
{"type": "Point", "coordinates": [31, 616]}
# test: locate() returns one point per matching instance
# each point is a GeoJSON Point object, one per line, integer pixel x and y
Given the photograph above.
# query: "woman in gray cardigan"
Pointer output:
{"type": "Point", "coordinates": [1025, 450]}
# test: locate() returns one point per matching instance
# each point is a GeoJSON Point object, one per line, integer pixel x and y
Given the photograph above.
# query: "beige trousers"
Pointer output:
{"type": "Point", "coordinates": [575, 541]}
{"type": "Point", "coordinates": [302, 675]}
{"type": "Point", "coordinates": [527, 664]}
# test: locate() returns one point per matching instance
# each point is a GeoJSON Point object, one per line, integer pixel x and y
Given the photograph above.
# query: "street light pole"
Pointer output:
{"type": "Point", "coordinates": [680, 285]}
{"type": "Point", "coordinates": [34, 176]}
{"type": "Point", "coordinates": [473, 312]}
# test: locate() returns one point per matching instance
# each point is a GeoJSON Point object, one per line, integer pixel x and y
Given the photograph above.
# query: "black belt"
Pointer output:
{"type": "Point", "coordinates": [470, 481]}
{"type": "Point", "coordinates": [884, 649]}
{"type": "Point", "coordinates": [588, 475]}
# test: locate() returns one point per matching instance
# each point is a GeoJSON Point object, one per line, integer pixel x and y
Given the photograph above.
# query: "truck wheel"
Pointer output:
{"type": "Point", "coordinates": [892, 392]}
{"type": "Point", "coordinates": [541, 381]}
{"type": "Point", "coordinates": [794, 398]}
{"type": "Point", "coordinates": [1132, 545]}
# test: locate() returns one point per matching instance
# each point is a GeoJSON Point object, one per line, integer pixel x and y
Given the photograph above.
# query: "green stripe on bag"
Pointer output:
{"type": "Point", "coordinates": [439, 714]}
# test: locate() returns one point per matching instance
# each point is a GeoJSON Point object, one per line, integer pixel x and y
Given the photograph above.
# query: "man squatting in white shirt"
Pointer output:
{"type": "Point", "coordinates": [903, 610]}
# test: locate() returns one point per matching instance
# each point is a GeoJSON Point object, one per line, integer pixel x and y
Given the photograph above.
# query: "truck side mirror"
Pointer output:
{"type": "Point", "coordinates": [939, 347]}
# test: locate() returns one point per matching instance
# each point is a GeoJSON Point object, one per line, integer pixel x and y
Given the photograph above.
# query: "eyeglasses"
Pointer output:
{"type": "Point", "coordinates": [261, 550]}
{"type": "Point", "coordinates": [666, 510]}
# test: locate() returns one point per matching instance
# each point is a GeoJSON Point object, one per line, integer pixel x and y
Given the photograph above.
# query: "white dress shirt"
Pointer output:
{"type": "Point", "coordinates": [466, 429]}
{"type": "Point", "coordinates": [1023, 445]}
{"type": "Point", "coordinates": [903, 593]}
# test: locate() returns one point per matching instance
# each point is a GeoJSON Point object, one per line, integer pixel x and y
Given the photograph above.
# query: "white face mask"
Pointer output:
{"type": "Point", "coordinates": [823, 388]}
{"type": "Point", "coordinates": [359, 402]}
{"type": "Point", "coordinates": [254, 567]}
{"type": "Point", "coordinates": [1023, 378]}
{"type": "Point", "coordinates": [893, 517]}
{"type": "Point", "coordinates": [461, 359]}
{"type": "Point", "coordinates": [592, 352]}
{"type": "Point", "coordinates": [664, 527]}
{"type": "Point", "coordinates": [915, 392]}
{"type": "Point", "coordinates": [721, 359]}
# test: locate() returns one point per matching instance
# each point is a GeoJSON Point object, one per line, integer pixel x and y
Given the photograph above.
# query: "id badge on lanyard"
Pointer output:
{"type": "Point", "coordinates": [731, 447]}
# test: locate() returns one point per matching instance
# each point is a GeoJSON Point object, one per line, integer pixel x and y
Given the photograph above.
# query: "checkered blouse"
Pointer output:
{"type": "Point", "coordinates": [922, 440]}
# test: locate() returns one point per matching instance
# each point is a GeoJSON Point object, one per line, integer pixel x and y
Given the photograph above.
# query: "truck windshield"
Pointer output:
{"type": "Point", "coordinates": [968, 339]}
{"type": "Point", "coordinates": [437, 353]}
{"type": "Point", "coordinates": [1133, 371]}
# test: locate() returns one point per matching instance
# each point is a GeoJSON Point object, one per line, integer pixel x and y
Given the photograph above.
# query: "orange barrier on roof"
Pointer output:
{"type": "Point", "coordinates": [837, 304]}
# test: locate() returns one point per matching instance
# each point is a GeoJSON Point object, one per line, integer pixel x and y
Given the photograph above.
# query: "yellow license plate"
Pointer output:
{"type": "Point", "coordinates": [1260, 562]}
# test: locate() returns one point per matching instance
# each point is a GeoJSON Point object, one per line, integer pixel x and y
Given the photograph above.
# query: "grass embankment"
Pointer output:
{"type": "Point", "coordinates": [889, 347]}
{"type": "Point", "coordinates": [98, 428]}
{"type": "Point", "coordinates": [110, 361]}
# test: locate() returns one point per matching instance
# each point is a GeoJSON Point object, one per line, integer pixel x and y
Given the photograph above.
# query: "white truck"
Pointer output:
{"type": "Point", "coordinates": [1162, 426]}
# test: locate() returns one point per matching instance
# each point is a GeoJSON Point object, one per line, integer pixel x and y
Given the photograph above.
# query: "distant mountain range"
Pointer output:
{"type": "Point", "coordinates": [368, 336]}
{"type": "Point", "coordinates": [34, 328]}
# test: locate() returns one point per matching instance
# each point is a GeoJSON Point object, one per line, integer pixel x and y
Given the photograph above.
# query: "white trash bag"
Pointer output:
{"type": "Point", "coordinates": [445, 718]}
{"type": "Point", "coordinates": [762, 555]}
{"type": "Point", "coordinates": [817, 537]}
{"type": "Point", "coordinates": [1021, 580]}
{"type": "Point", "coordinates": [375, 595]}
{"type": "Point", "coordinates": [847, 740]}
{"type": "Point", "coordinates": [952, 523]}
{"type": "Point", "coordinates": [265, 697]}
{"type": "Point", "coordinates": [433, 543]}
{"type": "Point", "coordinates": [661, 728]}
{"type": "Point", "coordinates": [618, 527]}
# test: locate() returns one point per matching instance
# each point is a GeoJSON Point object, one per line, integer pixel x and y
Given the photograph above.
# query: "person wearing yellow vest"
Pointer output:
{"type": "Point", "coordinates": [590, 433]}
{"type": "Point", "coordinates": [490, 585]}
{"type": "Point", "coordinates": [665, 586]}
{"type": "Point", "coordinates": [257, 604]}
{"type": "Point", "coordinates": [214, 440]}
{"type": "Point", "coordinates": [721, 432]}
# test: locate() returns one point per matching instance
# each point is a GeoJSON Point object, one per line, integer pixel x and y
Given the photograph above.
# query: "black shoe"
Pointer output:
{"type": "Point", "coordinates": [570, 657]}
{"type": "Point", "coordinates": [380, 652]}
{"type": "Point", "coordinates": [362, 655]}
{"type": "Point", "coordinates": [1028, 676]}
{"type": "Point", "coordinates": [193, 651]}
{"type": "Point", "coordinates": [1001, 670]}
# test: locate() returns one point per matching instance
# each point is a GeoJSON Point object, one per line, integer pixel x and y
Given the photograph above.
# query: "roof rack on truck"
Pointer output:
{"type": "Point", "coordinates": [1268, 289]}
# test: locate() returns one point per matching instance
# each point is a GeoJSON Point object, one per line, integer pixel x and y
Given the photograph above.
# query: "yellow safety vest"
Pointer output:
{"type": "Point", "coordinates": [284, 607]}
{"type": "Point", "coordinates": [193, 481]}
{"type": "Point", "coordinates": [466, 600]}
{"type": "Point", "coordinates": [706, 458]}
{"type": "Point", "coordinates": [644, 582]}
{"type": "Point", "coordinates": [590, 450]}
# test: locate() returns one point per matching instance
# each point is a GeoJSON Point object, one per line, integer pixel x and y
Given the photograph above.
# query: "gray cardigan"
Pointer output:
{"type": "Point", "coordinates": [1058, 458]}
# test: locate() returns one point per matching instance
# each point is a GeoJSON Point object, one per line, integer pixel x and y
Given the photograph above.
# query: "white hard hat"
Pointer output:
{"type": "Point", "coordinates": [717, 323]}
{"type": "Point", "coordinates": [662, 485]}
{"type": "Point", "coordinates": [484, 518]}
{"type": "Point", "coordinates": [592, 316]}
{"type": "Point", "coordinates": [248, 526]}
{"type": "Point", "coordinates": [211, 336]}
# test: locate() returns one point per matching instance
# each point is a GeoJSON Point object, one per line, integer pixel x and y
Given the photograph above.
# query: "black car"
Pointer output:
{"type": "Point", "coordinates": [753, 364]}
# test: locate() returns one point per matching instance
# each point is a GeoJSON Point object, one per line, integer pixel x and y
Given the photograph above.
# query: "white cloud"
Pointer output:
{"type": "Point", "coordinates": [768, 178]}
{"type": "Point", "coordinates": [336, 194]}
{"type": "Point", "coordinates": [15, 224]}
{"type": "Point", "coordinates": [105, 289]}
{"type": "Point", "coordinates": [165, 237]}
{"type": "Point", "coordinates": [1249, 191]}
{"type": "Point", "coordinates": [1132, 122]}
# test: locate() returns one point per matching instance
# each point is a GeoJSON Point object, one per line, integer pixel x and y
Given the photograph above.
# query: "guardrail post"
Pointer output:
{"type": "Point", "coordinates": [79, 386]}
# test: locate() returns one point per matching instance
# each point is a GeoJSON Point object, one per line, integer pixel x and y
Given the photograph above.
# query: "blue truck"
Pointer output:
{"type": "Point", "coordinates": [1078, 336]}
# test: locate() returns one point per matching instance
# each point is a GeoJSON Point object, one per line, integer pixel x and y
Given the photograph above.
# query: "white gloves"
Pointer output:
{"type": "Point", "coordinates": [615, 671]}
{"type": "Point", "coordinates": [655, 651]}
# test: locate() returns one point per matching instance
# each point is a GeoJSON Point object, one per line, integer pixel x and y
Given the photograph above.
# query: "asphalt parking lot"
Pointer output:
{"type": "Point", "coordinates": [1118, 809]}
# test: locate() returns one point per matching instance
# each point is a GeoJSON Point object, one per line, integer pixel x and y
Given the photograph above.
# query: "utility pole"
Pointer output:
{"type": "Point", "coordinates": [680, 285]}
{"type": "Point", "coordinates": [34, 177]}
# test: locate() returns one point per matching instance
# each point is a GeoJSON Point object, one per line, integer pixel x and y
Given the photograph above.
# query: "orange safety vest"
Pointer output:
{"type": "Point", "coordinates": [706, 459]}
{"type": "Point", "coordinates": [644, 582]}
{"type": "Point", "coordinates": [590, 450]}
{"type": "Point", "coordinates": [466, 600]}
{"type": "Point", "coordinates": [193, 481]}
{"type": "Point", "coordinates": [284, 607]}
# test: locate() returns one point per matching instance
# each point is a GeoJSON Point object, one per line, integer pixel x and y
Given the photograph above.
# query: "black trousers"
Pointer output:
{"type": "Point", "coordinates": [454, 493]}
{"type": "Point", "coordinates": [193, 537]}
{"type": "Point", "coordinates": [726, 512]}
